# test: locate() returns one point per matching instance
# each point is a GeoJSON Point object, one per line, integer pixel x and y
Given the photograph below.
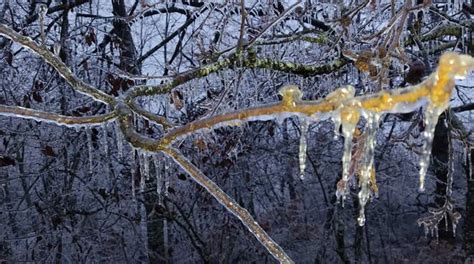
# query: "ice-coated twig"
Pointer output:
{"type": "Point", "coordinates": [70, 121]}
{"type": "Point", "coordinates": [436, 215]}
{"type": "Point", "coordinates": [58, 65]}
{"type": "Point", "coordinates": [241, 213]}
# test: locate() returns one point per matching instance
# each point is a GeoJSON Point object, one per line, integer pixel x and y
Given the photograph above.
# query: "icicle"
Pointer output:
{"type": "Point", "coordinates": [89, 148]}
{"type": "Point", "coordinates": [141, 164]}
{"type": "Point", "coordinates": [303, 146]}
{"type": "Point", "coordinates": [142, 183]}
{"type": "Point", "coordinates": [132, 170]}
{"type": "Point", "coordinates": [146, 165]}
{"type": "Point", "coordinates": [336, 118]}
{"type": "Point", "coordinates": [106, 149]}
{"type": "Point", "coordinates": [158, 175]}
{"type": "Point", "coordinates": [165, 180]}
{"type": "Point", "coordinates": [349, 118]}
{"type": "Point", "coordinates": [119, 138]}
{"type": "Point", "coordinates": [338, 96]}
{"type": "Point", "coordinates": [367, 164]}
{"type": "Point", "coordinates": [431, 115]}
{"type": "Point", "coordinates": [469, 159]}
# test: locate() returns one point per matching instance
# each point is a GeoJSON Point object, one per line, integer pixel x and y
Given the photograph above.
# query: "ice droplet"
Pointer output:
{"type": "Point", "coordinates": [430, 119]}
{"type": "Point", "coordinates": [303, 146]}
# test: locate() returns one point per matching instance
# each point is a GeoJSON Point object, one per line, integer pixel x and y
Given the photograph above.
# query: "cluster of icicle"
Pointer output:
{"type": "Point", "coordinates": [348, 115]}
{"type": "Point", "coordinates": [141, 160]}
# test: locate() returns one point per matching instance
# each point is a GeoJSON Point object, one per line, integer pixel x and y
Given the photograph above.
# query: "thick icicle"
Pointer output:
{"type": "Point", "coordinates": [349, 118]}
{"type": "Point", "coordinates": [367, 164]}
{"type": "Point", "coordinates": [338, 96]}
{"type": "Point", "coordinates": [431, 115]}
{"type": "Point", "coordinates": [89, 148]}
{"type": "Point", "coordinates": [303, 146]}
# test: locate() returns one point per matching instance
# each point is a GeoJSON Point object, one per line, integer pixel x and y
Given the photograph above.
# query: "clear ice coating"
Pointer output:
{"type": "Point", "coordinates": [303, 146]}
{"type": "Point", "coordinates": [367, 164]}
{"type": "Point", "coordinates": [430, 119]}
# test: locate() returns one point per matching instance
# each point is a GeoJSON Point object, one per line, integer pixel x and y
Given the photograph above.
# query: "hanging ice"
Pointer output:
{"type": "Point", "coordinates": [303, 146]}
{"type": "Point", "coordinates": [143, 169]}
{"type": "Point", "coordinates": [132, 171]}
{"type": "Point", "coordinates": [106, 149]}
{"type": "Point", "coordinates": [367, 164]}
{"type": "Point", "coordinates": [89, 148]}
{"type": "Point", "coordinates": [349, 118]}
{"type": "Point", "coordinates": [158, 175]}
{"type": "Point", "coordinates": [146, 166]}
{"type": "Point", "coordinates": [338, 96]}
{"type": "Point", "coordinates": [336, 118]}
{"type": "Point", "coordinates": [119, 138]}
{"type": "Point", "coordinates": [431, 115]}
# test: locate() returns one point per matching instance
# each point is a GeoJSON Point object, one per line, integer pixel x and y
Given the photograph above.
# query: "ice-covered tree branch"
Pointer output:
{"type": "Point", "coordinates": [230, 204]}
{"type": "Point", "coordinates": [437, 89]}
{"type": "Point", "coordinates": [57, 64]}
{"type": "Point", "coordinates": [26, 113]}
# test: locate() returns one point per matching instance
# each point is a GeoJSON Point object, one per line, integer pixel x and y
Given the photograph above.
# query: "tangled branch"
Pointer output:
{"type": "Point", "coordinates": [341, 105]}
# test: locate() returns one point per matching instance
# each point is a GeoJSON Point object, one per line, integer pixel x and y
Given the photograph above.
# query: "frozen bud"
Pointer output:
{"type": "Point", "coordinates": [57, 48]}
{"type": "Point", "coordinates": [300, 10]}
{"type": "Point", "coordinates": [416, 72]}
{"type": "Point", "coordinates": [291, 94]}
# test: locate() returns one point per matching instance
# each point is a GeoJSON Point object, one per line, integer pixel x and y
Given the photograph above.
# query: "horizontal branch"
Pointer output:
{"type": "Point", "coordinates": [454, 30]}
{"type": "Point", "coordinates": [182, 78]}
{"type": "Point", "coordinates": [295, 68]}
{"type": "Point", "coordinates": [437, 88]}
{"type": "Point", "coordinates": [57, 64]}
{"type": "Point", "coordinates": [248, 62]}
{"type": "Point", "coordinates": [17, 111]}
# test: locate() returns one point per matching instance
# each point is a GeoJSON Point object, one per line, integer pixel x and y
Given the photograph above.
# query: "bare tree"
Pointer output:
{"type": "Point", "coordinates": [186, 86]}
